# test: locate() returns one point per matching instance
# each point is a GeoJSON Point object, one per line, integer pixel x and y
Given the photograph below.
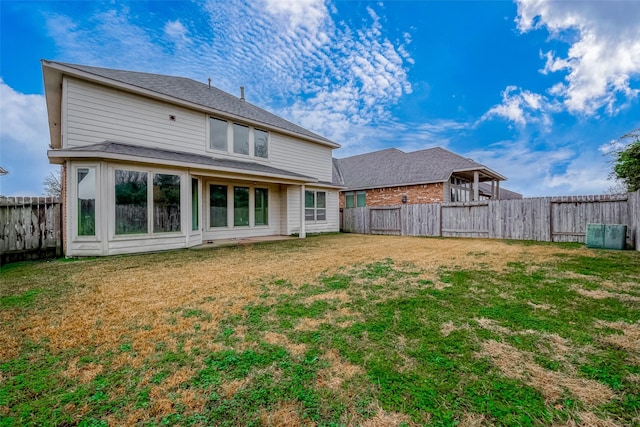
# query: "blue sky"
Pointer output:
{"type": "Point", "coordinates": [534, 89]}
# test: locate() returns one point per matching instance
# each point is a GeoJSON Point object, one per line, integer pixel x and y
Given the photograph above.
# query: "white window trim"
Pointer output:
{"type": "Point", "coordinates": [185, 188]}
{"type": "Point", "coordinates": [72, 194]}
{"type": "Point", "coordinates": [315, 206]}
{"type": "Point", "coordinates": [230, 140]}
{"type": "Point", "coordinates": [230, 205]}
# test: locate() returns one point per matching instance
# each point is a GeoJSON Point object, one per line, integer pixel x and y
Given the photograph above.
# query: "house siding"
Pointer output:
{"type": "Point", "coordinates": [331, 224]}
{"type": "Point", "coordinates": [301, 157]}
{"type": "Point", "coordinates": [416, 194]}
{"type": "Point", "coordinates": [95, 113]}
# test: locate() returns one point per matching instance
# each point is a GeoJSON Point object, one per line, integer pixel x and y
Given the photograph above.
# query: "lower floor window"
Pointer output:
{"type": "Point", "coordinates": [132, 195]}
{"type": "Point", "coordinates": [240, 206]}
{"type": "Point", "coordinates": [261, 206]}
{"type": "Point", "coordinates": [218, 206]}
{"type": "Point", "coordinates": [166, 203]}
{"type": "Point", "coordinates": [131, 202]}
{"type": "Point", "coordinates": [315, 205]}
{"type": "Point", "coordinates": [237, 202]}
{"type": "Point", "coordinates": [86, 201]}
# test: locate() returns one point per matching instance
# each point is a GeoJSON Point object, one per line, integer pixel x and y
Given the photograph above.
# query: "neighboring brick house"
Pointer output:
{"type": "Point", "coordinates": [392, 177]}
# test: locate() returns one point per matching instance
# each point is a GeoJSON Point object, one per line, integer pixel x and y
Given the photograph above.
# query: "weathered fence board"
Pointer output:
{"type": "Point", "coordinates": [30, 228]}
{"type": "Point", "coordinates": [385, 221]}
{"type": "Point", "coordinates": [550, 219]}
{"type": "Point", "coordinates": [421, 220]}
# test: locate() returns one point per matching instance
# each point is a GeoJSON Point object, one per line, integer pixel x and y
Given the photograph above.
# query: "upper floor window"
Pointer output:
{"type": "Point", "coordinates": [260, 143]}
{"type": "Point", "coordinates": [238, 139]}
{"type": "Point", "coordinates": [217, 134]}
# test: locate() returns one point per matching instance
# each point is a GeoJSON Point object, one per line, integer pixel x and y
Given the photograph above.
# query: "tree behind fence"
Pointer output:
{"type": "Point", "coordinates": [31, 228]}
{"type": "Point", "coordinates": [549, 219]}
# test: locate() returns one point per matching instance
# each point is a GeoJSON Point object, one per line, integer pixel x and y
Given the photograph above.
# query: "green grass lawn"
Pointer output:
{"type": "Point", "coordinates": [393, 331]}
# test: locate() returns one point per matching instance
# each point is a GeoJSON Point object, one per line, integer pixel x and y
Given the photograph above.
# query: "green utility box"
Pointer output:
{"type": "Point", "coordinates": [606, 236]}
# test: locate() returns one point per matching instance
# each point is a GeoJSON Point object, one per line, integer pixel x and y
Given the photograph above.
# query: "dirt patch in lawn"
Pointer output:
{"type": "Point", "coordinates": [630, 338]}
{"type": "Point", "coordinates": [517, 364]}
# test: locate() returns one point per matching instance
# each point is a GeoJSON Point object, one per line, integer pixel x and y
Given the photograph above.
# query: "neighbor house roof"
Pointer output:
{"type": "Point", "coordinates": [392, 168]}
{"type": "Point", "coordinates": [139, 154]}
{"type": "Point", "coordinates": [504, 194]}
{"type": "Point", "coordinates": [179, 90]}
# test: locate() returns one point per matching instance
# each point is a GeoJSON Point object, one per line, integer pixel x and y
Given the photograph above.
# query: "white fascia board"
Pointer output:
{"type": "Point", "coordinates": [59, 156]}
{"type": "Point", "coordinates": [485, 170]}
{"type": "Point", "coordinates": [327, 185]}
{"type": "Point", "coordinates": [172, 100]}
{"type": "Point", "coordinates": [53, 95]}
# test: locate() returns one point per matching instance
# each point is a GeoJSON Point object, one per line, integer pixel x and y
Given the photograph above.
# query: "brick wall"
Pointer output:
{"type": "Point", "coordinates": [416, 194]}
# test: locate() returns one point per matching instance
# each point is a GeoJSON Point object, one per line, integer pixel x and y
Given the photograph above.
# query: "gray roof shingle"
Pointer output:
{"type": "Point", "coordinates": [211, 98]}
{"type": "Point", "coordinates": [207, 162]}
{"type": "Point", "coordinates": [392, 167]}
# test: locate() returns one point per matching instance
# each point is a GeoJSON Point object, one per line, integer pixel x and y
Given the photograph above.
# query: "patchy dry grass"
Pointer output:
{"type": "Point", "coordinates": [330, 330]}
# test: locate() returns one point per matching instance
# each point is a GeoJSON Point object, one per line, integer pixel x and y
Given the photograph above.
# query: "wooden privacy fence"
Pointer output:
{"type": "Point", "coordinates": [549, 219]}
{"type": "Point", "coordinates": [30, 228]}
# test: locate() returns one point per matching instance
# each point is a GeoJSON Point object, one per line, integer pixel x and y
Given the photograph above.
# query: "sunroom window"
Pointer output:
{"type": "Point", "coordinates": [131, 202]}
{"type": "Point", "coordinates": [86, 201]}
{"type": "Point", "coordinates": [132, 207]}
{"type": "Point", "coordinates": [166, 203]}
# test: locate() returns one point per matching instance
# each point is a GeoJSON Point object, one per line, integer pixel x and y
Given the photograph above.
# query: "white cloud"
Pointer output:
{"type": "Point", "coordinates": [300, 13]}
{"type": "Point", "coordinates": [24, 140]}
{"type": "Point", "coordinates": [523, 107]}
{"type": "Point", "coordinates": [342, 76]}
{"type": "Point", "coordinates": [177, 32]}
{"type": "Point", "coordinates": [568, 170]}
{"type": "Point", "coordinates": [24, 118]}
{"type": "Point", "coordinates": [604, 53]}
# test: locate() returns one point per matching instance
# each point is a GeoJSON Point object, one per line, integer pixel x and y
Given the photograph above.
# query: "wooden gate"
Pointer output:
{"type": "Point", "coordinates": [385, 220]}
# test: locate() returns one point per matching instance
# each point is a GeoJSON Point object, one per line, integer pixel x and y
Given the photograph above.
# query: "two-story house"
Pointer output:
{"type": "Point", "coordinates": [153, 162]}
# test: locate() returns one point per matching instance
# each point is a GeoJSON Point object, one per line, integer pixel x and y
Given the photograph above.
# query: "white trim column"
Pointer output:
{"type": "Point", "coordinates": [303, 232]}
{"type": "Point", "coordinates": [497, 190]}
{"type": "Point", "coordinates": [476, 186]}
